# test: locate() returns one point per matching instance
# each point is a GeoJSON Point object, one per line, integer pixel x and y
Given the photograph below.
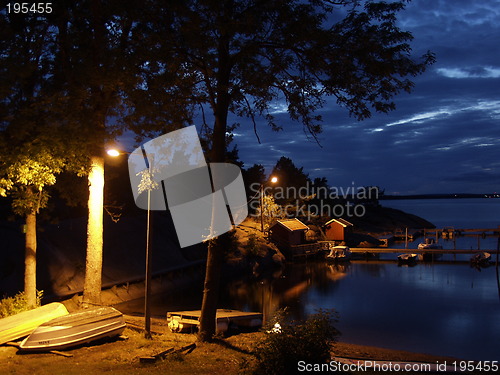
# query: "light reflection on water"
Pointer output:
{"type": "Point", "coordinates": [444, 309]}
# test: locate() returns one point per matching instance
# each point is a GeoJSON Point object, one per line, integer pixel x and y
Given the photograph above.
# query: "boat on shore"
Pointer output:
{"type": "Point", "coordinates": [75, 329]}
{"type": "Point", "coordinates": [20, 325]}
{"type": "Point", "coordinates": [188, 321]}
{"type": "Point", "coordinates": [339, 253]}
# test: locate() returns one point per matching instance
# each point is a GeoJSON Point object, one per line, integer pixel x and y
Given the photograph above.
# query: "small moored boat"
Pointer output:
{"type": "Point", "coordinates": [75, 329]}
{"type": "Point", "coordinates": [407, 258]}
{"type": "Point", "coordinates": [481, 259]}
{"type": "Point", "coordinates": [339, 253]}
{"type": "Point", "coordinates": [20, 325]}
{"type": "Point", "coordinates": [429, 244]}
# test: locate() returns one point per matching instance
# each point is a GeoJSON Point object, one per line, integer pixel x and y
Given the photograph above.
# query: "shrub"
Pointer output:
{"type": "Point", "coordinates": [289, 342]}
{"type": "Point", "coordinates": [252, 246]}
{"type": "Point", "coordinates": [229, 242]}
{"type": "Point", "coordinates": [14, 305]}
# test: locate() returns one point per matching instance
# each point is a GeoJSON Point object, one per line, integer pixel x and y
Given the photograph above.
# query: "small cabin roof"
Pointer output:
{"type": "Point", "coordinates": [340, 221]}
{"type": "Point", "coordinates": [292, 224]}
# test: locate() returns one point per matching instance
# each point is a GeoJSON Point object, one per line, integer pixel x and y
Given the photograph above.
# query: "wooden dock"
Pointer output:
{"type": "Point", "coordinates": [315, 248]}
{"type": "Point", "coordinates": [309, 249]}
{"type": "Point", "coordinates": [447, 231]}
{"type": "Point", "coordinates": [383, 250]}
{"type": "Point", "coordinates": [186, 321]}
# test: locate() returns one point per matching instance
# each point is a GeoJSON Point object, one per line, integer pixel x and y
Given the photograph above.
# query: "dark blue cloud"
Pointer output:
{"type": "Point", "coordinates": [444, 137]}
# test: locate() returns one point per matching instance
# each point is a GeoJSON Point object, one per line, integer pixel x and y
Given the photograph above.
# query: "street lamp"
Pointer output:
{"type": "Point", "coordinates": [114, 153]}
{"type": "Point", "coordinates": [147, 296]}
{"type": "Point", "coordinates": [273, 180]}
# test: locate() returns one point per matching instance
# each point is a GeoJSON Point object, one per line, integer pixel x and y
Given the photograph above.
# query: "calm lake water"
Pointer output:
{"type": "Point", "coordinates": [443, 308]}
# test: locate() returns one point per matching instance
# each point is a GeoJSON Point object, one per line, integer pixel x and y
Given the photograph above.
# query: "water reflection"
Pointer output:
{"type": "Point", "coordinates": [443, 308]}
{"type": "Point", "coordinates": [285, 290]}
{"type": "Point", "coordinates": [430, 308]}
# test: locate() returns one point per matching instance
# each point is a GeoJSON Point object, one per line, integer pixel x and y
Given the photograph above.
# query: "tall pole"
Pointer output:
{"type": "Point", "coordinates": [406, 238]}
{"type": "Point", "coordinates": [262, 208]}
{"type": "Point", "coordinates": [147, 307]}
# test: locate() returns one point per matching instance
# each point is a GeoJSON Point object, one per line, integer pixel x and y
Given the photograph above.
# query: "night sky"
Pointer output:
{"type": "Point", "coordinates": [444, 137]}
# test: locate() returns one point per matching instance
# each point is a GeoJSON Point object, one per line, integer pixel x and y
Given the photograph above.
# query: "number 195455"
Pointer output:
{"type": "Point", "coordinates": [29, 8]}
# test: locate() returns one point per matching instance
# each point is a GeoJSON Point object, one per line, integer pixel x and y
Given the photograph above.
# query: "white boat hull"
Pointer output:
{"type": "Point", "coordinates": [75, 329]}
{"type": "Point", "coordinates": [407, 258]}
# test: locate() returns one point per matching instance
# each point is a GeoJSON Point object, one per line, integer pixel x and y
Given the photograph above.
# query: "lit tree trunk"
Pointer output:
{"type": "Point", "coordinates": [30, 260]}
{"type": "Point", "coordinates": [93, 267]}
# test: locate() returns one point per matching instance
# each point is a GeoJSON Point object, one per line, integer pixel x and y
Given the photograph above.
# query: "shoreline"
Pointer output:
{"type": "Point", "coordinates": [231, 355]}
{"type": "Point", "coordinates": [360, 351]}
{"type": "Point", "coordinates": [341, 348]}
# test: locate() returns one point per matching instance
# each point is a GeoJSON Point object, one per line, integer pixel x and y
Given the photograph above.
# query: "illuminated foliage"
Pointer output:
{"type": "Point", "coordinates": [26, 177]}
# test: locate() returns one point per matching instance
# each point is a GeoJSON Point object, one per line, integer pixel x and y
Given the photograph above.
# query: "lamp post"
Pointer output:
{"type": "Point", "coordinates": [273, 180]}
{"type": "Point", "coordinates": [147, 286]}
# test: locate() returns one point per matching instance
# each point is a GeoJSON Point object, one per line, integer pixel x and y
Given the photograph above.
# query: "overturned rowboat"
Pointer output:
{"type": "Point", "coordinates": [75, 329]}
{"type": "Point", "coordinates": [20, 325]}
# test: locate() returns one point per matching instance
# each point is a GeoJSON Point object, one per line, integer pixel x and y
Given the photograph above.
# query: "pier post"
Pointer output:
{"type": "Point", "coordinates": [406, 238]}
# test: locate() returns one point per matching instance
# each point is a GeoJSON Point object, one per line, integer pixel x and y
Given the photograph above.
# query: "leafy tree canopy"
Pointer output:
{"type": "Point", "coordinates": [243, 56]}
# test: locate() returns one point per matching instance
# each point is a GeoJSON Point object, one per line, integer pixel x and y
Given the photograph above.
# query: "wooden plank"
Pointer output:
{"type": "Point", "coordinates": [18, 345]}
{"type": "Point", "coordinates": [152, 359]}
{"type": "Point", "coordinates": [62, 354]}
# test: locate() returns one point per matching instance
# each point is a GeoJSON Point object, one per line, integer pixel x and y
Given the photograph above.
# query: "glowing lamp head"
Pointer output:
{"type": "Point", "coordinates": [113, 153]}
{"type": "Point", "coordinates": [274, 179]}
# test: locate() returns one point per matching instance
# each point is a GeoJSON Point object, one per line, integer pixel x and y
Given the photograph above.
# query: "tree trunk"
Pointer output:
{"type": "Point", "coordinates": [93, 266]}
{"type": "Point", "coordinates": [215, 256]}
{"type": "Point", "coordinates": [30, 260]}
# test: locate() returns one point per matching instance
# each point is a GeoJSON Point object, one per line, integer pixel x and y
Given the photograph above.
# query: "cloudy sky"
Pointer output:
{"type": "Point", "coordinates": [442, 138]}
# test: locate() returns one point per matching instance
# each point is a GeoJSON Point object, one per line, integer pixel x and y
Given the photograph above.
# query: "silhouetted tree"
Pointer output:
{"type": "Point", "coordinates": [253, 178]}
{"type": "Point", "coordinates": [241, 56]}
{"type": "Point", "coordinates": [80, 65]}
{"type": "Point", "coordinates": [30, 154]}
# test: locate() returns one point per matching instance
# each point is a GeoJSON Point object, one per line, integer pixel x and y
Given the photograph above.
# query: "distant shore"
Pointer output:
{"type": "Point", "coordinates": [440, 196]}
